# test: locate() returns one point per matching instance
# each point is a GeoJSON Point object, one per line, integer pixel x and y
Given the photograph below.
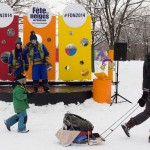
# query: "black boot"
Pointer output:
{"type": "Point", "coordinates": [46, 89]}
{"type": "Point", "coordinates": [46, 86]}
{"type": "Point", "coordinates": [8, 127]}
{"type": "Point", "coordinates": [127, 126]}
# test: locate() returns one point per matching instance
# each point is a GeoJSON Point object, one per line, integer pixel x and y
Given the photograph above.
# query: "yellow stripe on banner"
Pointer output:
{"type": "Point", "coordinates": [75, 64]}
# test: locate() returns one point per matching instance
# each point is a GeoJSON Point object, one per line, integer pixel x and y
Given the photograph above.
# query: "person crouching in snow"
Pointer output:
{"type": "Point", "coordinates": [20, 103]}
{"type": "Point", "coordinates": [145, 99]}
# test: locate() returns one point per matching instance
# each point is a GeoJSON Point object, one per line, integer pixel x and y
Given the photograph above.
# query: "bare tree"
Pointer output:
{"type": "Point", "coordinates": [136, 31]}
{"type": "Point", "coordinates": [110, 16]}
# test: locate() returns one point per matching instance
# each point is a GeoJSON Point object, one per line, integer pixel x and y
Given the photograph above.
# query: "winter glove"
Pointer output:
{"type": "Point", "coordinates": [143, 99]}
{"type": "Point", "coordinates": [9, 70]}
{"type": "Point", "coordinates": [141, 102]}
{"type": "Point", "coordinates": [49, 66]}
{"type": "Point", "coordinates": [26, 68]}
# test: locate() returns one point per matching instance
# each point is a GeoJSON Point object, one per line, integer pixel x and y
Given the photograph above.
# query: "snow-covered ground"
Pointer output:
{"type": "Point", "coordinates": [44, 121]}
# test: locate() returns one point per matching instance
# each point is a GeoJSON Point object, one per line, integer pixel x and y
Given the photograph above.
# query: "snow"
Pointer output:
{"type": "Point", "coordinates": [44, 121]}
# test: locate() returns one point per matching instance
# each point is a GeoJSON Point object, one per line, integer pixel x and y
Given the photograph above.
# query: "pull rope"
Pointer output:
{"type": "Point", "coordinates": [118, 119]}
{"type": "Point", "coordinates": [109, 128]}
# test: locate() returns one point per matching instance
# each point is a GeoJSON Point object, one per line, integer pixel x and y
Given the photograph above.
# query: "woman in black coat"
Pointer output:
{"type": "Point", "coordinates": [145, 99]}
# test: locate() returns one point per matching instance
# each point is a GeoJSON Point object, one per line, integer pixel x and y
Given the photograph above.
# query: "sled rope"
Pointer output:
{"type": "Point", "coordinates": [109, 128]}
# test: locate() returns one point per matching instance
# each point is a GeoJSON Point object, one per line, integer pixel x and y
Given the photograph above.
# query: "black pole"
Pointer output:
{"type": "Point", "coordinates": [117, 80]}
{"type": "Point", "coordinates": [92, 58]}
{"type": "Point", "coordinates": [115, 96]}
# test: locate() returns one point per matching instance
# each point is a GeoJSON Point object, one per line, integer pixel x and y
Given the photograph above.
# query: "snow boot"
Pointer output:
{"type": "Point", "coordinates": [127, 126]}
{"type": "Point", "coordinates": [126, 129]}
{"type": "Point", "coordinates": [24, 131]}
{"type": "Point", "coordinates": [46, 89]}
{"type": "Point", "coordinates": [8, 127]}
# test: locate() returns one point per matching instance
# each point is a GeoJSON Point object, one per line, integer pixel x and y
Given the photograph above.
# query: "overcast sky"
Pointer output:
{"type": "Point", "coordinates": [59, 5]}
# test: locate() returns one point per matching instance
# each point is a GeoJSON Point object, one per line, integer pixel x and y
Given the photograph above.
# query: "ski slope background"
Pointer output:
{"type": "Point", "coordinates": [44, 121]}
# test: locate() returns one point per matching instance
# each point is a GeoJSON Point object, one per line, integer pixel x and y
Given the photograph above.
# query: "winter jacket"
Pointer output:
{"type": "Point", "coordinates": [37, 53]}
{"type": "Point", "coordinates": [19, 61]}
{"type": "Point", "coordinates": [146, 75]}
{"type": "Point", "coordinates": [19, 97]}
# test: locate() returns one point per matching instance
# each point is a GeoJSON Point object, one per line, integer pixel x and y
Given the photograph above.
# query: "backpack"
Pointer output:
{"type": "Point", "coordinates": [75, 122]}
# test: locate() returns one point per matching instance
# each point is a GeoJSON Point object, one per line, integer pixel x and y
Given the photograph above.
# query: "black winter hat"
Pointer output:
{"type": "Point", "coordinates": [18, 41]}
{"type": "Point", "coordinates": [33, 36]}
{"type": "Point", "coordinates": [32, 32]}
{"type": "Point", "coordinates": [20, 76]}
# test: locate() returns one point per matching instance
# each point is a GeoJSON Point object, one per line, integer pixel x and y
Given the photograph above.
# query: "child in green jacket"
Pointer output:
{"type": "Point", "coordinates": [20, 103]}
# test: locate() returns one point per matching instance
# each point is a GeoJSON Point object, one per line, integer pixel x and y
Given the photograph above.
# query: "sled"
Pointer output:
{"type": "Point", "coordinates": [77, 130]}
{"type": "Point", "coordinates": [68, 137]}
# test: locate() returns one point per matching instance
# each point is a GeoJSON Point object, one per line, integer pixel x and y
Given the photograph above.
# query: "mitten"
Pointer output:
{"type": "Point", "coordinates": [9, 70]}
{"type": "Point", "coordinates": [143, 99]}
{"type": "Point", "coordinates": [49, 66]}
{"type": "Point", "coordinates": [141, 102]}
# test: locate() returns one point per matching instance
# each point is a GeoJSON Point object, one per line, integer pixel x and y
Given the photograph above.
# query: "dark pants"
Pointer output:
{"type": "Point", "coordinates": [44, 84]}
{"type": "Point", "coordinates": [143, 116]}
{"type": "Point", "coordinates": [39, 72]}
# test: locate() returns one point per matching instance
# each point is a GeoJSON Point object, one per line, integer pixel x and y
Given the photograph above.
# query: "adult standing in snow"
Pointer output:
{"type": "Point", "coordinates": [145, 99]}
{"type": "Point", "coordinates": [17, 62]}
{"type": "Point", "coordinates": [39, 56]}
{"type": "Point", "coordinates": [20, 103]}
